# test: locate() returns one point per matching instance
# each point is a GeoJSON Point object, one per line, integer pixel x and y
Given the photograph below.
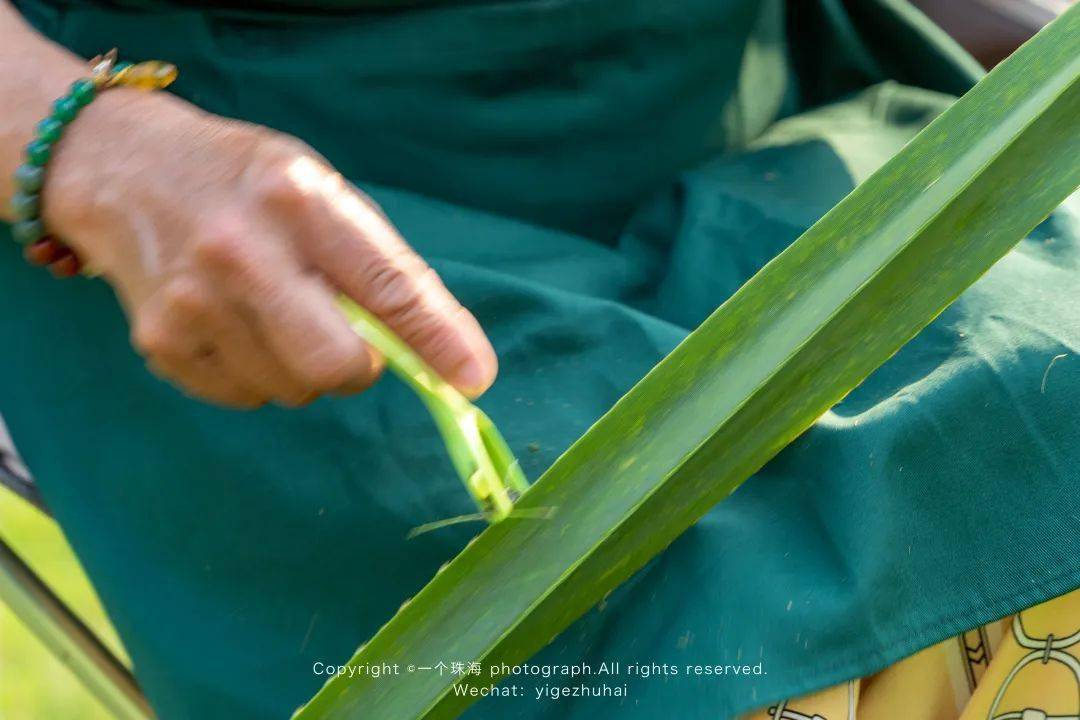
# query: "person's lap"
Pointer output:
{"type": "Point", "coordinates": [277, 538]}
{"type": "Point", "coordinates": [234, 550]}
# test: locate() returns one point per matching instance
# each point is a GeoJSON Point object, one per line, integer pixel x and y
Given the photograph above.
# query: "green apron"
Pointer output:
{"type": "Point", "coordinates": [591, 178]}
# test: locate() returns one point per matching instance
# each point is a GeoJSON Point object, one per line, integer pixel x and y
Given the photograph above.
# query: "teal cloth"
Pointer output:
{"type": "Point", "coordinates": [591, 178]}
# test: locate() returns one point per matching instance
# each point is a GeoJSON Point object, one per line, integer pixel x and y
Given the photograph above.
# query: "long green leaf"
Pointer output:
{"type": "Point", "coordinates": [788, 345]}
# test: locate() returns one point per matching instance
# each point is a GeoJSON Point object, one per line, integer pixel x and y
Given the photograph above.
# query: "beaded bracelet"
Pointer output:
{"type": "Point", "coordinates": [42, 248]}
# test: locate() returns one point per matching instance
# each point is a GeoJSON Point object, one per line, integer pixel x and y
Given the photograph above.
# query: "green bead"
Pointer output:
{"type": "Point", "coordinates": [49, 130]}
{"type": "Point", "coordinates": [38, 152]}
{"type": "Point", "coordinates": [29, 178]}
{"type": "Point", "coordinates": [25, 206]}
{"type": "Point", "coordinates": [83, 91]}
{"type": "Point", "coordinates": [27, 232]}
{"type": "Point", "coordinates": [121, 66]}
{"type": "Point", "coordinates": [65, 109]}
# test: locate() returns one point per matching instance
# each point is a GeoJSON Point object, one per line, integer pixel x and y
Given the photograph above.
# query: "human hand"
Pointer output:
{"type": "Point", "coordinates": [227, 243]}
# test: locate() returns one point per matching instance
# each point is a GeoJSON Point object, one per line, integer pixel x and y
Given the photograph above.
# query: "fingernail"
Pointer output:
{"type": "Point", "coordinates": [472, 382]}
{"type": "Point", "coordinates": [477, 374]}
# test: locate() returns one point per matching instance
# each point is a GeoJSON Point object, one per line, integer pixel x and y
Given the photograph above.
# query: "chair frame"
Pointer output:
{"type": "Point", "coordinates": [57, 626]}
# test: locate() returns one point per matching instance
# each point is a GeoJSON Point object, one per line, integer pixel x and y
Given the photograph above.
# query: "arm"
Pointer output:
{"type": "Point", "coordinates": [33, 73]}
{"type": "Point", "coordinates": [226, 243]}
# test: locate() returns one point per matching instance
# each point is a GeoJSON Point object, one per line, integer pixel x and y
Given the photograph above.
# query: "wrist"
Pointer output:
{"type": "Point", "coordinates": [97, 167]}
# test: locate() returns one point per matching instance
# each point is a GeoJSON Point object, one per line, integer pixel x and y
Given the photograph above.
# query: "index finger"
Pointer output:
{"type": "Point", "coordinates": [357, 248]}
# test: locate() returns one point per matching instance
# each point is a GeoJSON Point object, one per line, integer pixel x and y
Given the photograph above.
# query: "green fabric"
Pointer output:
{"type": "Point", "coordinates": [591, 178]}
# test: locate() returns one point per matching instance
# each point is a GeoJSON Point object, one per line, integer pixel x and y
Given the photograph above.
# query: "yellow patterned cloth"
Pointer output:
{"type": "Point", "coordinates": [1026, 667]}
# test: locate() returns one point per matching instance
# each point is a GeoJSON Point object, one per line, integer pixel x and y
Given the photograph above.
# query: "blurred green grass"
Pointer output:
{"type": "Point", "coordinates": [33, 684]}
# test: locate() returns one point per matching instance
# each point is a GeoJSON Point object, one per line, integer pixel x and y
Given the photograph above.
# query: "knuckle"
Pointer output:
{"type": "Point", "coordinates": [280, 188]}
{"type": "Point", "coordinates": [221, 246]}
{"type": "Point", "coordinates": [184, 298]}
{"type": "Point", "coordinates": [151, 338]}
{"type": "Point", "coordinates": [281, 146]}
